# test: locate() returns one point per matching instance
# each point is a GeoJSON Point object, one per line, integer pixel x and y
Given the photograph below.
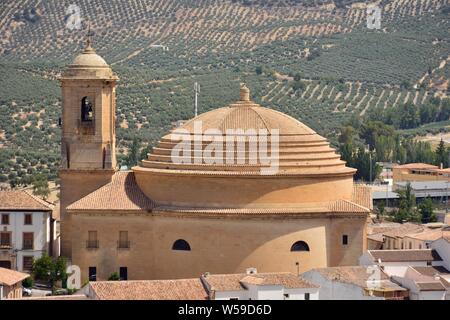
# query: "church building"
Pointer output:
{"type": "Point", "coordinates": [167, 219]}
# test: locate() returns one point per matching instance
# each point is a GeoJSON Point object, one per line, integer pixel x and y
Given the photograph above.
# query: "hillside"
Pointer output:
{"type": "Point", "coordinates": [160, 48]}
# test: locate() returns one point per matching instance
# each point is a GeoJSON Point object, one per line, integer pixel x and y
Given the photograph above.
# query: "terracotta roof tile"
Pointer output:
{"type": "Point", "coordinates": [418, 166]}
{"type": "Point", "coordinates": [431, 271]}
{"type": "Point", "coordinates": [339, 206]}
{"type": "Point", "coordinates": [122, 193]}
{"type": "Point", "coordinates": [22, 200]}
{"type": "Point", "coordinates": [239, 281]}
{"type": "Point", "coordinates": [430, 286]}
{"type": "Point", "coordinates": [405, 255]}
{"type": "Point", "coordinates": [10, 277]}
{"type": "Point", "coordinates": [181, 289]}
{"type": "Point", "coordinates": [362, 195]}
{"type": "Point", "coordinates": [430, 234]}
{"type": "Point", "coordinates": [404, 229]}
{"type": "Point", "coordinates": [357, 275]}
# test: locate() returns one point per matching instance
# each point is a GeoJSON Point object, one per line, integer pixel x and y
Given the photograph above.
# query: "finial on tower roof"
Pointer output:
{"type": "Point", "coordinates": [89, 38]}
{"type": "Point", "coordinates": [244, 93]}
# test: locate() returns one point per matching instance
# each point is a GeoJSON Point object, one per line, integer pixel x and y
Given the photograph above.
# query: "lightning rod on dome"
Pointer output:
{"type": "Point", "coordinates": [196, 91]}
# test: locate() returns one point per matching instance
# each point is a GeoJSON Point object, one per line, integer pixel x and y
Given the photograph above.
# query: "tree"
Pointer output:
{"type": "Point", "coordinates": [298, 86]}
{"type": "Point", "coordinates": [40, 186]}
{"type": "Point", "coordinates": [372, 129]}
{"type": "Point", "coordinates": [114, 277]}
{"type": "Point", "coordinates": [48, 269]}
{"type": "Point", "coordinates": [406, 209]}
{"type": "Point", "coordinates": [380, 210]}
{"type": "Point", "coordinates": [259, 70]}
{"type": "Point", "coordinates": [133, 154]}
{"type": "Point", "coordinates": [426, 211]}
{"type": "Point", "coordinates": [441, 155]}
{"type": "Point", "coordinates": [297, 76]}
{"type": "Point", "coordinates": [347, 135]}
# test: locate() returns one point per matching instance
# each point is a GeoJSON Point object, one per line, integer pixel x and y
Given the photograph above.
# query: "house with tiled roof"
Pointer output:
{"type": "Point", "coordinates": [396, 262]}
{"type": "Point", "coordinates": [425, 283]}
{"type": "Point", "coordinates": [11, 283]}
{"type": "Point", "coordinates": [355, 283]}
{"type": "Point", "coordinates": [425, 238]}
{"type": "Point", "coordinates": [246, 286]}
{"type": "Point", "coordinates": [27, 229]}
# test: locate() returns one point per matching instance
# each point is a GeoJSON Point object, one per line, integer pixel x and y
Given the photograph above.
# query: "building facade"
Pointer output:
{"type": "Point", "coordinates": [27, 230]}
{"type": "Point", "coordinates": [178, 215]}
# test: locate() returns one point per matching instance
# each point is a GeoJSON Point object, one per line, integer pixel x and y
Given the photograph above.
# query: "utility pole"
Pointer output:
{"type": "Point", "coordinates": [196, 91]}
{"type": "Point", "coordinates": [370, 163]}
{"type": "Point", "coordinates": [446, 199]}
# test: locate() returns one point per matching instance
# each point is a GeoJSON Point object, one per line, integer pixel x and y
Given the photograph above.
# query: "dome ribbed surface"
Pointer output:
{"type": "Point", "coordinates": [301, 150]}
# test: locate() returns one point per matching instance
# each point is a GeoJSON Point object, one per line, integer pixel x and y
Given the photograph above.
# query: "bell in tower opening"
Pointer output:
{"type": "Point", "coordinates": [87, 113]}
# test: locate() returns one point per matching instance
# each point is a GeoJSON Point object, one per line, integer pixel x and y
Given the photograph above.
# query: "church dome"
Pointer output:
{"type": "Point", "coordinates": [183, 170]}
{"type": "Point", "coordinates": [89, 65]}
{"type": "Point", "coordinates": [301, 150]}
{"type": "Point", "coordinates": [88, 58]}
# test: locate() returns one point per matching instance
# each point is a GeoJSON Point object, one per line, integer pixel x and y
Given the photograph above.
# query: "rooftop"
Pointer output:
{"type": "Point", "coordinates": [18, 200]}
{"type": "Point", "coordinates": [122, 194]}
{"type": "Point", "coordinates": [10, 277]}
{"type": "Point", "coordinates": [405, 255]}
{"type": "Point", "coordinates": [236, 282]}
{"type": "Point", "coordinates": [418, 165]}
{"type": "Point", "coordinates": [430, 234]}
{"type": "Point", "coordinates": [357, 275]}
{"type": "Point", "coordinates": [403, 230]}
{"type": "Point", "coordinates": [301, 150]}
{"type": "Point", "coordinates": [181, 289]}
{"type": "Point", "coordinates": [432, 271]}
{"type": "Point", "coordinates": [425, 185]}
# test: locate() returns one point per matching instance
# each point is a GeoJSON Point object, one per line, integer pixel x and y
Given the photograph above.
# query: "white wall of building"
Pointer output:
{"type": "Point", "coordinates": [257, 292]}
{"type": "Point", "coordinates": [41, 234]}
{"type": "Point", "coordinates": [415, 293]}
{"type": "Point", "coordinates": [334, 290]}
{"type": "Point", "coordinates": [442, 247]}
{"type": "Point", "coordinates": [395, 268]}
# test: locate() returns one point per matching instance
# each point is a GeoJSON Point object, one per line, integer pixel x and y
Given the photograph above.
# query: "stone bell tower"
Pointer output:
{"type": "Point", "coordinates": [88, 158]}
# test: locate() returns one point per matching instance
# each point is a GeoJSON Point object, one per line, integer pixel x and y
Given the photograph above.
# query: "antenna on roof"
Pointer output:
{"type": "Point", "coordinates": [196, 91]}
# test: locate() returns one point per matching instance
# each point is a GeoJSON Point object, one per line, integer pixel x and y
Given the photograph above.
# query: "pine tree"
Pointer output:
{"type": "Point", "coordinates": [441, 155]}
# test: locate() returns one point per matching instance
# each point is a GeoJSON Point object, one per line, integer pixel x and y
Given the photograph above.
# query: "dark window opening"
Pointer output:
{"type": "Point", "coordinates": [307, 296]}
{"type": "Point", "coordinates": [27, 263]}
{"type": "Point", "coordinates": [87, 111]}
{"type": "Point", "coordinates": [300, 246]}
{"type": "Point", "coordinates": [5, 218]}
{"type": "Point", "coordinates": [92, 273]}
{"type": "Point", "coordinates": [345, 239]}
{"type": "Point", "coordinates": [28, 218]}
{"type": "Point", "coordinates": [5, 239]}
{"type": "Point", "coordinates": [181, 244]}
{"type": "Point", "coordinates": [28, 239]}
{"type": "Point", "coordinates": [123, 273]}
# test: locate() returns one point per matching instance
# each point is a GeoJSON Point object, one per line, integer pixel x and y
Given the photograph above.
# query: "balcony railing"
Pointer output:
{"type": "Point", "coordinates": [123, 244]}
{"type": "Point", "coordinates": [92, 244]}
